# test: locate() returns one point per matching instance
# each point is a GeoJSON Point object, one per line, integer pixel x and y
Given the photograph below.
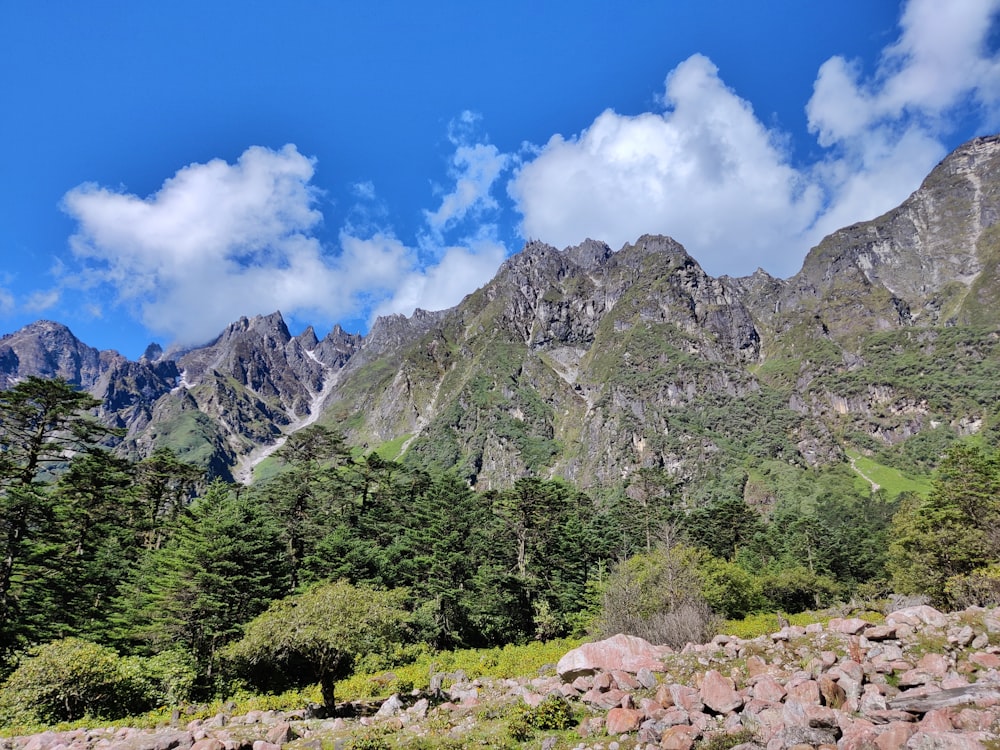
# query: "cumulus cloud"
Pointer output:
{"type": "Point", "coordinates": [216, 241]}
{"type": "Point", "coordinates": [461, 270]}
{"type": "Point", "coordinates": [939, 59]}
{"type": "Point", "coordinates": [222, 240]}
{"type": "Point", "coordinates": [883, 132]}
{"type": "Point", "coordinates": [705, 171]}
{"type": "Point", "coordinates": [708, 172]}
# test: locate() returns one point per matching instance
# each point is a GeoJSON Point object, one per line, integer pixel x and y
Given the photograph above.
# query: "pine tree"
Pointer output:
{"type": "Point", "coordinates": [91, 550]}
{"type": "Point", "coordinates": [953, 531]}
{"type": "Point", "coordinates": [310, 497]}
{"type": "Point", "coordinates": [221, 567]}
{"type": "Point", "coordinates": [43, 423]}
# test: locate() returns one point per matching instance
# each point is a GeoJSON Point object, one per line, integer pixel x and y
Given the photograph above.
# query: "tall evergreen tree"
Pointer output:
{"type": "Point", "coordinates": [953, 531]}
{"type": "Point", "coordinates": [165, 485]}
{"type": "Point", "coordinates": [221, 567]}
{"type": "Point", "coordinates": [43, 423]}
{"type": "Point", "coordinates": [435, 559]}
{"type": "Point", "coordinates": [93, 549]}
{"type": "Point", "coordinates": [310, 496]}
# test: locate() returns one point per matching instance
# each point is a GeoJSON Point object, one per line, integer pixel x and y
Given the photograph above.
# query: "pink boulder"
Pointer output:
{"type": "Point", "coordinates": [623, 720]}
{"type": "Point", "coordinates": [719, 693]}
{"type": "Point", "coordinates": [620, 652]}
{"type": "Point", "coordinates": [678, 738]}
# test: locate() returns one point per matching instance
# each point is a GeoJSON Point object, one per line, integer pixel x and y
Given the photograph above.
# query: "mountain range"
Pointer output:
{"type": "Point", "coordinates": [592, 364]}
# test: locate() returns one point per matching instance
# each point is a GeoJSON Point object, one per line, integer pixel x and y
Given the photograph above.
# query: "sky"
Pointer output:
{"type": "Point", "coordinates": [170, 167]}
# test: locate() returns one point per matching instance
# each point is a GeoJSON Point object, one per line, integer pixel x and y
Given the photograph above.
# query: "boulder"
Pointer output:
{"type": "Point", "coordinates": [623, 720]}
{"type": "Point", "coordinates": [719, 693]}
{"type": "Point", "coordinates": [972, 694]}
{"type": "Point", "coordinates": [922, 614]}
{"type": "Point", "coordinates": [678, 738]}
{"type": "Point", "coordinates": [620, 652]}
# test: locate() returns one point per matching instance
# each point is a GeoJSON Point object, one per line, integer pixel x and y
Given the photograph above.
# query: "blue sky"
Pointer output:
{"type": "Point", "coordinates": [169, 167]}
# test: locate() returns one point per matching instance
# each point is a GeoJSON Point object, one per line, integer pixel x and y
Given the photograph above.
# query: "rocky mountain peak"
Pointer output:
{"type": "Point", "coordinates": [589, 254]}
{"type": "Point", "coordinates": [927, 257]}
{"type": "Point", "coordinates": [152, 353]}
{"type": "Point", "coordinates": [393, 331]}
{"type": "Point", "coordinates": [337, 347]}
{"type": "Point", "coordinates": [307, 339]}
{"type": "Point", "coordinates": [49, 350]}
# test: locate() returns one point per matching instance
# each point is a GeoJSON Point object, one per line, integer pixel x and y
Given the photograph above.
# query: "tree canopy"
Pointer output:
{"type": "Point", "coordinates": [319, 633]}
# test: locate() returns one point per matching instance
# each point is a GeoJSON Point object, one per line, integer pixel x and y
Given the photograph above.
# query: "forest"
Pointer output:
{"type": "Point", "coordinates": [126, 585]}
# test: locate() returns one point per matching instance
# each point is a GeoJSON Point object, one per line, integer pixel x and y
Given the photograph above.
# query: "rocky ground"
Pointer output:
{"type": "Point", "coordinates": [921, 679]}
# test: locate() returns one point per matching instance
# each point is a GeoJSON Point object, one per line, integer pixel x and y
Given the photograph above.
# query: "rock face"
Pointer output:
{"type": "Point", "coordinates": [245, 389]}
{"type": "Point", "coordinates": [589, 363]}
{"type": "Point", "coordinates": [50, 350]}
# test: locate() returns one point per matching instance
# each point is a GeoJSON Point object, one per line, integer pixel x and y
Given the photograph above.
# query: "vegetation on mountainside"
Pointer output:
{"type": "Point", "coordinates": [131, 583]}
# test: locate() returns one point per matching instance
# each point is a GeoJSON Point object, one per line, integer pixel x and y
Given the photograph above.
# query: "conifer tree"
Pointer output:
{"type": "Point", "coordinates": [43, 423]}
{"type": "Point", "coordinates": [221, 567]}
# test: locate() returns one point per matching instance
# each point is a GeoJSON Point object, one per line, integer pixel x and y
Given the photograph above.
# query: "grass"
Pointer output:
{"type": "Point", "coordinates": [509, 661]}
{"type": "Point", "coordinates": [391, 450]}
{"type": "Point", "coordinates": [892, 481]}
{"type": "Point", "coordinates": [766, 623]}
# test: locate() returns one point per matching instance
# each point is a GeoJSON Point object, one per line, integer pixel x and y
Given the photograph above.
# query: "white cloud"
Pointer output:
{"type": "Point", "coordinates": [364, 190]}
{"type": "Point", "coordinates": [41, 301]}
{"type": "Point", "coordinates": [460, 271]}
{"type": "Point", "coordinates": [6, 302]}
{"type": "Point", "coordinates": [883, 132]}
{"type": "Point", "coordinates": [221, 240]}
{"type": "Point", "coordinates": [938, 60]}
{"type": "Point", "coordinates": [705, 171]}
{"type": "Point", "coordinates": [475, 167]}
{"type": "Point", "coordinates": [216, 241]}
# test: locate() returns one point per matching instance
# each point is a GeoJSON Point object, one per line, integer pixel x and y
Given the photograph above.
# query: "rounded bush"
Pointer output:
{"type": "Point", "coordinates": [66, 680]}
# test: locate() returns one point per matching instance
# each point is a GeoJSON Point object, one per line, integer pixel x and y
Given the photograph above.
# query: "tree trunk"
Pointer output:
{"type": "Point", "coordinates": [326, 683]}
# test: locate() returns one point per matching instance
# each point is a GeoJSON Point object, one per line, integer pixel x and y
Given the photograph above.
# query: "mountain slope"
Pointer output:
{"type": "Point", "coordinates": [591, 364]}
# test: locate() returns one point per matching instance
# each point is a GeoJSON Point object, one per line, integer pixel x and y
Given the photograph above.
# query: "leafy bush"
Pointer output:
{"type": "Point", "coordinates": [797, 589]}
{"type": "Point", "coordinates": [167, 678]}
{"type": "Point", "coordinates": [659, 597]}
{"type": "Point", "coordinates": [69, 679]}
{"type": "Point", "coordinates": [980, 588]}
{"type": "Point", "coordinates": [553, 713]}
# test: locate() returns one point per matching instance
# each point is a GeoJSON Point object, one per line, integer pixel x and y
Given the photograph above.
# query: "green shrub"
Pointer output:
{"type": "Point", "coordinates": [519, 727]}
{"type": "Point", "coordinates": [797, 589]}
{"type": "Point", "coordinates": [373, 738]}
{"type": "Point", "coordinates": [980, 588]}
{"type": "Point", "coordinates": [552, 713]}
{"type": "Point", "coordinates": [166, 679]}
{"type": "Point", "coordinates": [67, 680]}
